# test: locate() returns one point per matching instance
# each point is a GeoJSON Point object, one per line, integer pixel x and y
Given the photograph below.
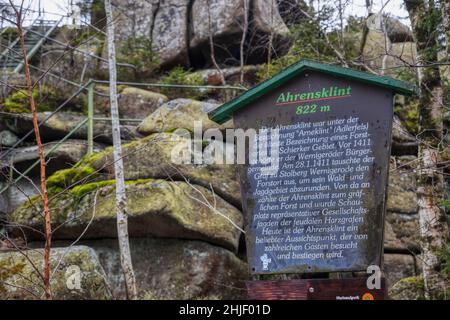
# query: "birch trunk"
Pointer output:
{"type": "Point", "coordinates": [430, 183]}
{"type": "Point", "coordinates": [445, 12]}
{"type": "Point", "coordinates": [211, 45]}
{"type": "Point", "coordinates": [121, 204]}
{"type": "Point", "coordinates": [243, 39]}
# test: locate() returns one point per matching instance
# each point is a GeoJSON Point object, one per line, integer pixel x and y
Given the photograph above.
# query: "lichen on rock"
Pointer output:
{"type": "Point", "coordinates": [151, 157]}
{"type": "Point", "coordinates": [180, 114]}
{"type": "Point", "coordinates": [175, 269]}
{"type": "Point", "coordinates": [411, 288]}
{"type": "Point", "coordinates": [134, 103]}
{"type": "Point", "coordinates": [57, 126]}
{"type": "Point", "coordinates": [20, 280]}
{"type": "Point", "coordinates": [155, 208]}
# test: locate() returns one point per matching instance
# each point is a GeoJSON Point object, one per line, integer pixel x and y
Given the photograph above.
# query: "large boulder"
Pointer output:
{"type": "Point", "coordinates": [377, 42]}
{"type": "Point", "coordinates": [17, 193]}
{"type": "Point", "coordinates": [232, 75]}
{"type": "Point", "coordinates": [388, 45]}
{"type": "Point", "coordinates": [76, 65]}
{"type": "Point", "coordinates": [224, 21]}
{"type": "Point", "coordinates": [403, 142]}
{"type": "Point", "coordinates": [134, 18]}
{"type": "Point", "coordinates": [267, 26]}
{"type": "Point", "coordinates": [267, 19]}
{"type": "Point", "coordinates": [179, 30]}
{"type": "Point", "coordinates": [402, 194]}
{"type": "Point", "coordinates": [155, 208]}
{"type": "Point", "coordinates": [292, 11]}
{"type": "Point", "coordinates": [76, 274]}
{"type": "Point", "coordinates": [61, 123]}
{"type": "Point", "coordinates": [170, 32]}
{"type": "Point", "coordinates": [138, 103]}
{"type": "Point", "coordinates": [154, 157]}
{"type": "Point", "coordinates": [61, 156]}
{"type": "Point", "coordinates": [4, 204]}
{"type": "Point", "coordinates": [7, 138]}
{"type": "Point", "coordinates": [13, 79]}
{"type": "Point", "coordinates": [411, 288]}
{"type": "Point", "coordinates": [175, 269]}
{"type": "Point", "coordinates": [405, 230]}
{"type": "Point", "coordinates": [396, 30]}
{"type": "Point", "coordinates": [134, 103]}
{"type": "Point", "coordinates": [180, 113]}
{"type": "Point", "coordinates": [21, 159]}
{"type": "Point", "coordinates": [391, 242]}
{"type": "Point", "coordinates": [398, 266]}
{"type": "Point", "coordinates": [401, 54]}
{"type": "Point", "coordinates": [392, 27]}
{"type": "Point", "coordinates": [402, 222]}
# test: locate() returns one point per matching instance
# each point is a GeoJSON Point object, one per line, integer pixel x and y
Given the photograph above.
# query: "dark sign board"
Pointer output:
{"type": "Point", "coordinates": [322, 209]}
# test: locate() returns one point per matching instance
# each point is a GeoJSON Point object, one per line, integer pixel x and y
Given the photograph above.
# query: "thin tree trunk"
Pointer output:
{"type": "Point", "coordinates": [121, 201]}
{"type": "Point", "coordinates": [47, 216]}
{"type": "Point", "coordinates": [211, 45]}
{"type": "Point", "coordinates": [430, 183]}
{"type": "Point", "coordinates": [365, 32]}
{"type": "Point", "coordinates": [341, 26]}
{"type": "Point", "coordinates": [243, 39]}
{"type": "Point", "coordinates": [445, 11]}
{"type": "Point", "coordinates": [270, 42]}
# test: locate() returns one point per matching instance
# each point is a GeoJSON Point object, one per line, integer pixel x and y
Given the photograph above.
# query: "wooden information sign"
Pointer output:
{"type": "Point", "coordinates": [322, 208]}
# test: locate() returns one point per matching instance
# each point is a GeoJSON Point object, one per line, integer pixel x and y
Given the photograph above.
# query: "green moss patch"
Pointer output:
{"type": "Point", "coordinates": [408, 114]}
{"type": "Point", "coordinates": [45, 97]}
{"type": "Point", "coordinates": [67, 178]}
{"type": "Point", "coordinates": [81, 190]}
{"type": "Point", "coordinates": [155, 207]}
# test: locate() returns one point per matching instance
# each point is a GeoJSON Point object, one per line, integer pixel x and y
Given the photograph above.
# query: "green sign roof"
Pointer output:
{"type": "Point", "coordinates": [224, 112]}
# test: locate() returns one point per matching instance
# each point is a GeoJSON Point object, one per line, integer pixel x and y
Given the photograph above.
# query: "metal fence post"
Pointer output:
{"type": "Point", "coordinates": [90, 125]}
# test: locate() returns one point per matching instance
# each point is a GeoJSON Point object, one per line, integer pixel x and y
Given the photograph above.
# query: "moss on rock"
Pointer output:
{"type": "Point", "coordinates": [82, 190]}
{"type": "Point", "coordinates": [180, 114]}
{"type": "Point", "coordinates": [134, 103]}
{"type": "Point", "coordinates": [64, 179]}
{"type": "Point", "coordinates": [150, 157]}
{"type": "Point", "coordinates": [45, 97]}
{"type": "Point", "coordinates": [155, 208]}
{"type": "Point", "coordinates": [411, 288]}
{"type": "Point", "coordinates": [409, 114]}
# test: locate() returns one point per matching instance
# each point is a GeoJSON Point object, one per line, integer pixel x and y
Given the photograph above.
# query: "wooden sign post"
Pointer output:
{"type": "Point", "coordinates": [321, 208]}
